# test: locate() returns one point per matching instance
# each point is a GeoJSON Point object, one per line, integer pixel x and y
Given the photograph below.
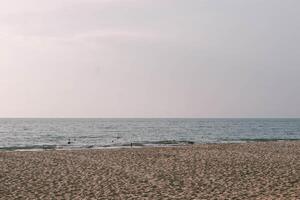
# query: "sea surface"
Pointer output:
{"type": "Point", "coordinates": [37, 134]}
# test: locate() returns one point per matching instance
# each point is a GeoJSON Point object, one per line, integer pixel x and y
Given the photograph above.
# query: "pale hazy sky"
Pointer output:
{"type": "Point", "coordinates": [149, 58]}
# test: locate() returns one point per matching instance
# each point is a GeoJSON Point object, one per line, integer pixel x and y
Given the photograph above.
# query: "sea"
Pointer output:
{"type": "Point", "coordinates": [43, 134]}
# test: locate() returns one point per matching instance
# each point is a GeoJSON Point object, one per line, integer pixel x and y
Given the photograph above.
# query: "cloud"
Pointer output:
{"type": "Point", "coordinates": [115, 34]}
{"type": "Point", "coordinates": [21, 6]}
{"type": "Point", "coordinates": [71, 20]}
{"type": "Point", "coordinates": [97, 37]}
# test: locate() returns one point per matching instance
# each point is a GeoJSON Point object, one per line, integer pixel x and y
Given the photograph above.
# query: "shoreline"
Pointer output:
{"type": "Point", "coordinates": [256, 170]}
{"type": "Point", "coordinates": [138, 145]}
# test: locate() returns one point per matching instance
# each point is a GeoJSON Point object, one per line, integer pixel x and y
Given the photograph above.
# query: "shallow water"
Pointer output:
{"type": "Point", "coordinates": [96, 133]}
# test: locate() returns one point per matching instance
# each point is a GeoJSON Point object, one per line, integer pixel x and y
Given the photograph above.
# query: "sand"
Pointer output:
{"type": "Point", "coordinates": [268, 170]}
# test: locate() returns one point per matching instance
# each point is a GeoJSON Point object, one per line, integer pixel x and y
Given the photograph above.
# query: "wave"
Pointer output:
{"type": "Point", "coordinates": [160, 143]}
{"type": "Point", "coordinates": [29, 147]}
{"type": "Point", "coordinates": [263, 139]}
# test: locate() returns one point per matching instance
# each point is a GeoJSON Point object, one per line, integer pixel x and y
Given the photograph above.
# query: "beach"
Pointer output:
{"type": "Point", "coordinates": [258, 170]}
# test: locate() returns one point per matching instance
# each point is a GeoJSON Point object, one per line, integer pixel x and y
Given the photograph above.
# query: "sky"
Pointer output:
{"type": "Point", "coordinates": [149, 58]}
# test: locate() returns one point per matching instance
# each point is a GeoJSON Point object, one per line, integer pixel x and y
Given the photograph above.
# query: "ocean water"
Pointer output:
{"type": "Point", "coordinates": [16, 134]}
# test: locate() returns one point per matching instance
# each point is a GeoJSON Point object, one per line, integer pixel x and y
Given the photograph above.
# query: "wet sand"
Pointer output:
{"type": "Point", "coordinates": [260, 170]}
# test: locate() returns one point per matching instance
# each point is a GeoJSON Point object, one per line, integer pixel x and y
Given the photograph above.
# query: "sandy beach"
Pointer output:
{"type": "Point", "coordinates": [260, 170]}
